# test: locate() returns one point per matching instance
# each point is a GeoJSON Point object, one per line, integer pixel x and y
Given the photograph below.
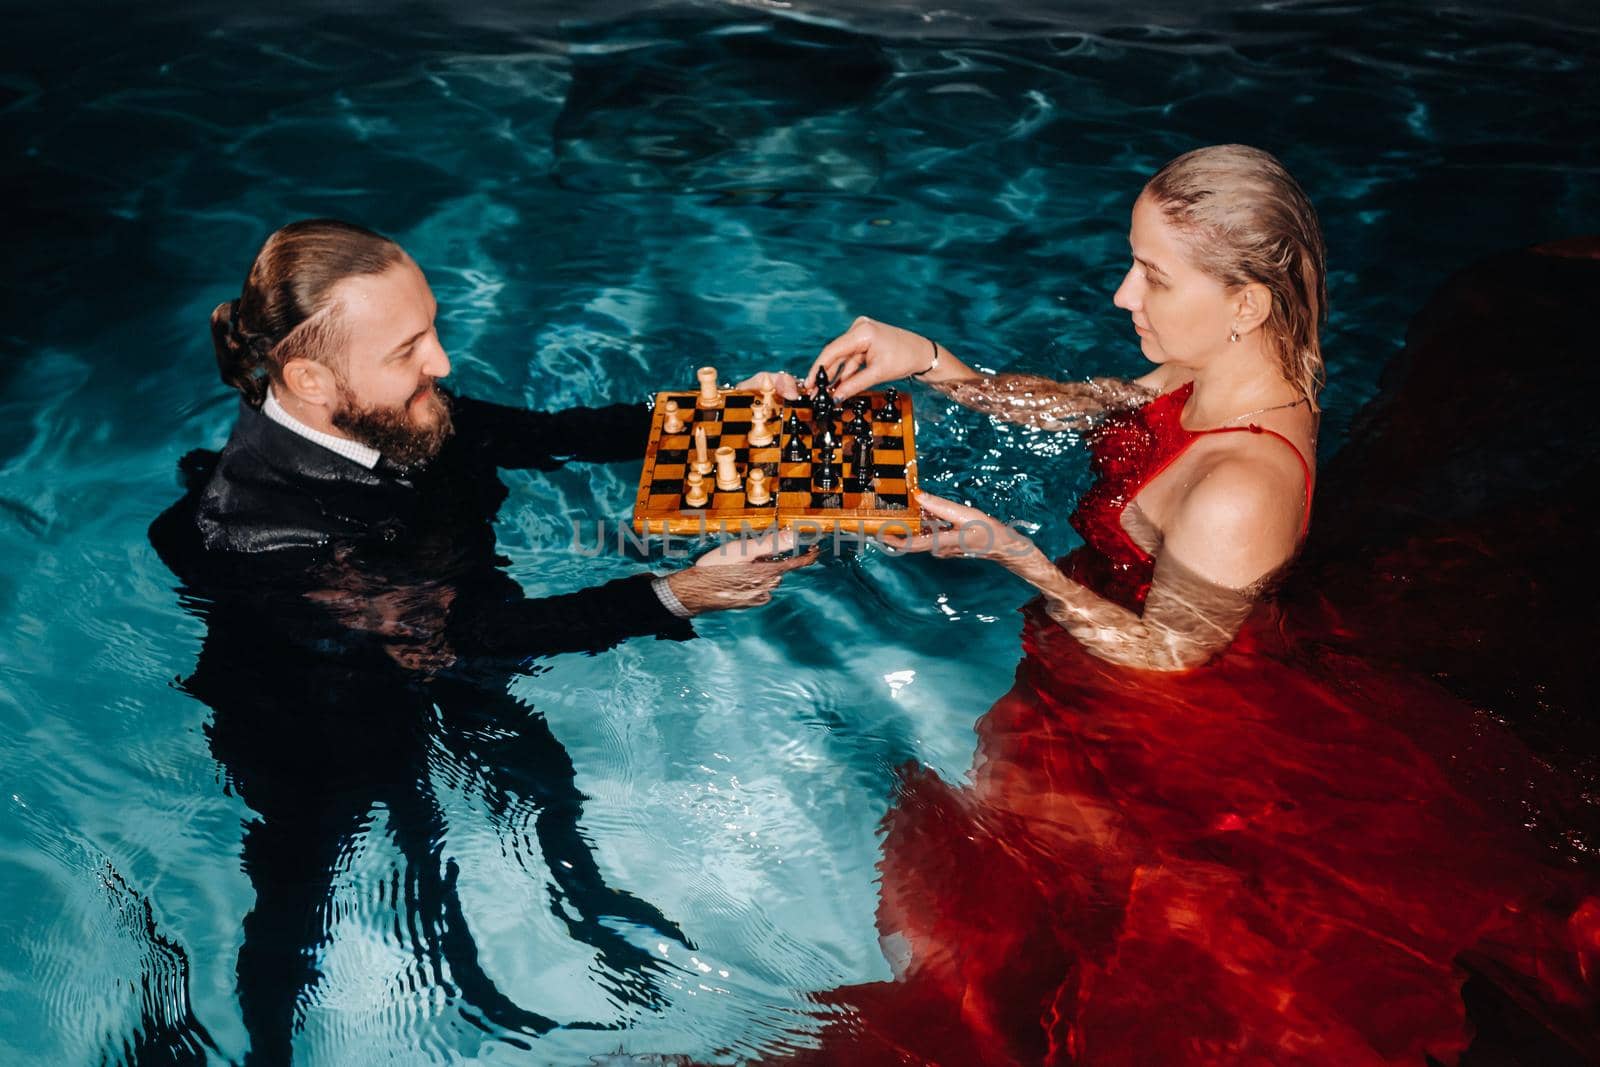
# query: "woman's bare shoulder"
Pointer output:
{"type": "Point", "coordinates": [1241, 514]}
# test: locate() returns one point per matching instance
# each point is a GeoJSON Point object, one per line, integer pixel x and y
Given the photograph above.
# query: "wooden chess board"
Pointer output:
{"type": "Point", "coordinates": [660, 508]}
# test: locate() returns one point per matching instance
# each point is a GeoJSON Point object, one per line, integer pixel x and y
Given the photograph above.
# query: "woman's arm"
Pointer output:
{"type": "Point", "coordinates": [1232, 532]}
{"type": "Point", "coordinates": [1043, 403]}
{"type": "Point", "coordinates": [1187, 619]}
{"type": "Point", "coordinates": [870, 353]}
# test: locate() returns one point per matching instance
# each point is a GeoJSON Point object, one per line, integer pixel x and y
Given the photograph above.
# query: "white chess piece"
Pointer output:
{"type": "Point", "coordinates": [672, 423]}
{"type": "Point", "coordinates": [709, 396]}
{"type": "Point", "coordinates": [727, 473]}
{"type": "Point", "coordinates": [702, 459]}
{"type": "Point", "coordinates": [756, 488]}
{"type": "Point", "coordinates": [695, 494]}
{"type": "Point", "coordinates": [759, 436]}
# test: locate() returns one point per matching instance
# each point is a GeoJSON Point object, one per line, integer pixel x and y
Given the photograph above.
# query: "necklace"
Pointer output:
{"type": "Point", "coordinates": [1259, 411]}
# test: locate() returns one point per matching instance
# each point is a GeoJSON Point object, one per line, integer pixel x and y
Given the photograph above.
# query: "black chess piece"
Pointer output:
{"type": "Point", "coordinates": [858, 426]}
{"type": "Point", "coordinates": [890, 412]}
{"type": "Point", "coordinates": [796, 449]}
{"type": "Point", "coordinates": [861, 465]}
{"type": "Point", "coordinates": [822, 409]}
{"type": "Point", "coordinates": [826, 475]}
{"type": "Point", "coordinates": [822, 397]}
{"type": "Point", "coordinates": [828, 442]}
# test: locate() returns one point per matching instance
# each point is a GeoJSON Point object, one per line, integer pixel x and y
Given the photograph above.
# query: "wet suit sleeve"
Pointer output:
{"type": "Point", "coordinates": [589, 620]}
{"type": "Point", "coordinates": [520, 439]}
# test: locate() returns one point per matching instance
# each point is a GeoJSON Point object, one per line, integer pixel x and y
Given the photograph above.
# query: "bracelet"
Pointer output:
{"type": "Point", "coordinates": [935, 363]}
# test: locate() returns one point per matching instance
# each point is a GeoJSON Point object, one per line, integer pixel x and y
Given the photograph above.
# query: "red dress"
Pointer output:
{"type": "Point", "coordinates": [1284, 857]}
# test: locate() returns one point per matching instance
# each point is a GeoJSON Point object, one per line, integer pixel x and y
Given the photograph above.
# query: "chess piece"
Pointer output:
{"type": "Point", "coordinates": [672, 424]}
{"type": "Point", "coordinates": [710, 396]}
{"type": "Point", "coordinates": [756, 488]}
{"type": "Point", "coordinates": [727, 472]}
{"type": "Point", "coordinates": [828, 443]}
{"type": "Point", "coordinates": [702, 459]}
{"type": "Point", "coordinates": [760, 436]}
{"type": "Point", "coordinates": [695, 495]}
{"type": "Point", "coordinates": [822, 406]}
{"type": "Point", "coordinates": [795, 449]}
{"type": "Point", "coordinates": [826, 476]}
{"type": "Point", "coordinates": [769, 401]}
{"type": "Point", "coordinates": [858, 427]}
{"type": "Point", "coordinates": [822, 409]}
{"type": "Point", "coordinates": [862, 476]}
{"type": "Point", "coordinates": [890, 412]}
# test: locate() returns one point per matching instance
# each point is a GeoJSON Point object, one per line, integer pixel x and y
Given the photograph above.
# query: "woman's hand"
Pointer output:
{"type": "Point", "coordinates": [870, 353]}
{"type": "Point", "coordinates": [963, 531]}
{"type": "Point", "coordinates": [786, 384]}
{"type": "Point", "coordinates": [738, 574]}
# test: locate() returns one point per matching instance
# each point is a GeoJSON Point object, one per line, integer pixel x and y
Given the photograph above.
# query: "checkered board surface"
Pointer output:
{"type": "Point", "coordinates": [659, 507]}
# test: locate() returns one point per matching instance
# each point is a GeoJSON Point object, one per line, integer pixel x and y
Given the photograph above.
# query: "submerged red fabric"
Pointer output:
{"type": "Point", "coordinates": [1286, 857]}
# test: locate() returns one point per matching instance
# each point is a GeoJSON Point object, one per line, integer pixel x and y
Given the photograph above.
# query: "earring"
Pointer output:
{"type": "Point", "coordinates": [1234, 337]}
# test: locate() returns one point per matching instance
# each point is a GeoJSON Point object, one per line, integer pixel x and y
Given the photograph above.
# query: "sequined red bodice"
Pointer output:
{"type": "Point", "coordinates": [1129, 450]}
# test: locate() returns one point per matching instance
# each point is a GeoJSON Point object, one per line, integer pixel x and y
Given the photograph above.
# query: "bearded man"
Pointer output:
{"type": "Point", "coordinates": [361, 631]}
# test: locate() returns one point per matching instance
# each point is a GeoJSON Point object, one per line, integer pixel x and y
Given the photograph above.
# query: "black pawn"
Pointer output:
{"type": "Point", "coordinates": [890, 412]}
{"type": "Point", "coordinates": [826, 476]}
{"type": "Point", "coordinates": [858, 427]}
{"type": "Point", "coordinates": [795, 448]}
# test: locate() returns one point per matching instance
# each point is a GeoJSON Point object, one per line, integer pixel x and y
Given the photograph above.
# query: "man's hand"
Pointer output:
{"type": "Point", "coordinates": [786, 384]}
{"type": "Point", "coordinates": [739, 574]}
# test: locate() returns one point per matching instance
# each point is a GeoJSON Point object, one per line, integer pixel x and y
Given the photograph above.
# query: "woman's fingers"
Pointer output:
{"type": "Point", "coordinates": [914, 543]}
{"type": "Point", "coordinates": [788, 387]}
{"type": "Point", "coordinates": [854, 375]}
{"type": "Point", "coordinates": [855, 341]}
{"type": "Point", "coordinates": [948, 510]}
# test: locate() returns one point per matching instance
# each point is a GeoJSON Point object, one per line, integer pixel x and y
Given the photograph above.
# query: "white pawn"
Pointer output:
{"type": "Point", "coordinates": [759, 436]}
{"type": "Point", "coordinates": [673, 423]}
{"type": "Point", "coordinates": [756, 487]}
{"type": "Point", "coordinates": [695, 494]}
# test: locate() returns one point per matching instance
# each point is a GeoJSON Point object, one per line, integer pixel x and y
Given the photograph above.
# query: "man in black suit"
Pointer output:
{"type": "Point", "coordinates": [361, 633]}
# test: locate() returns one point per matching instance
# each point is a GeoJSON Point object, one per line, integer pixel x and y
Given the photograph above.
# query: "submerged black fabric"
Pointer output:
{"type": "Point", "coordinates": [360, 638]}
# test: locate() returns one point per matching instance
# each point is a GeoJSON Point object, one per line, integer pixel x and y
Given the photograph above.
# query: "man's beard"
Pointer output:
{"type": "Point", "coordinates": [393, 432]}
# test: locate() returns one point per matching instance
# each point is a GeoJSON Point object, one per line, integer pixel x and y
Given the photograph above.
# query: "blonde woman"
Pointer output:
{"type": "Point", "coordinates": [1271, 857]}
{"type": "Point", "coordinates": [1206, 463]}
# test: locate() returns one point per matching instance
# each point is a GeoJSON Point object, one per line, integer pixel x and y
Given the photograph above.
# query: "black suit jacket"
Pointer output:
{"type": "Point", "coordinates": [274, 518]}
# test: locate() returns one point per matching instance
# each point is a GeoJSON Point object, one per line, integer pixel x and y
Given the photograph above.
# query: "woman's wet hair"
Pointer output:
{"type": "Point", "coordinates": [287, 310]}
{"type": "Point", "coordinates": [1245, 219]}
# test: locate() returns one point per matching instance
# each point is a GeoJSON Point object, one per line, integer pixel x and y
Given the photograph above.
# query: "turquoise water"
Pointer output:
{"type": "Point", "coordinates": [604, 200]}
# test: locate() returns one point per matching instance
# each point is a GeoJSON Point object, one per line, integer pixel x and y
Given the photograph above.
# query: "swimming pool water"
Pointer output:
{"type": "Point", "coordinates": [605, 199]}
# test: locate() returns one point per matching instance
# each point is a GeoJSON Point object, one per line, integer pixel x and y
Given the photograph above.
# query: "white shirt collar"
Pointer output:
{"type": "Point", "coordinates": [355, 451]}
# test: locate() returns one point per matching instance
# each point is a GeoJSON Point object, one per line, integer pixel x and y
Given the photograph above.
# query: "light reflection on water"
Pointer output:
{"type": "Point", "coordinates": [601, 207]}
